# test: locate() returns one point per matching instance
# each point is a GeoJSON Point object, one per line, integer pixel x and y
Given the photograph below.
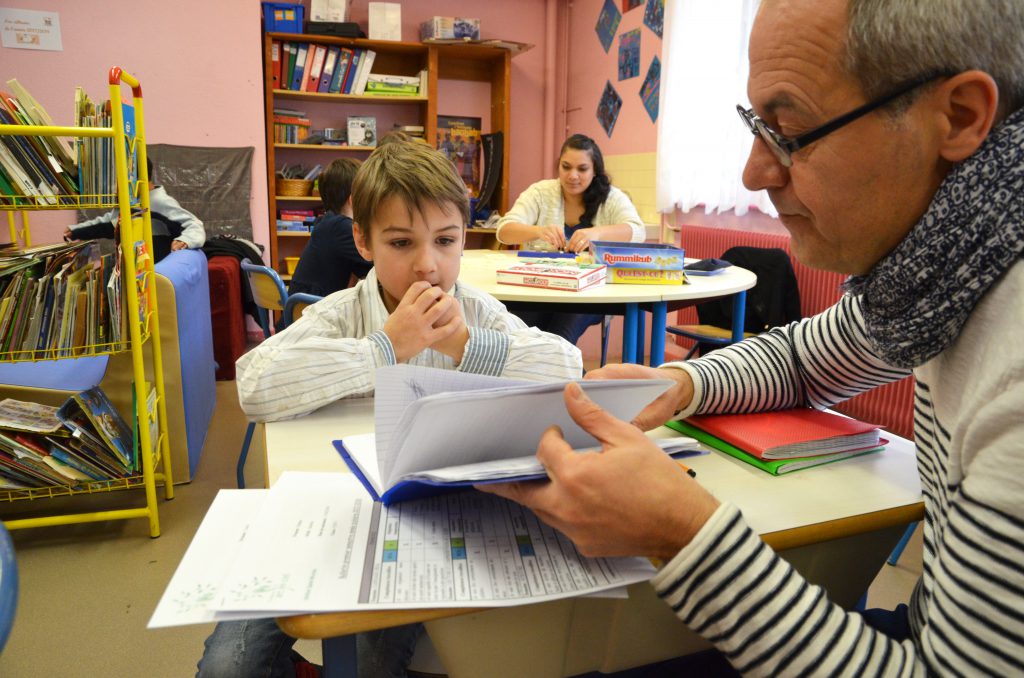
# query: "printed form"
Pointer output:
{"type": "Point", "coordinates": [315, 542]}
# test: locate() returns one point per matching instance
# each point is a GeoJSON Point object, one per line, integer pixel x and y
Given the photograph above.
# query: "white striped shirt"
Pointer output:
{"type": "Point", "coordinates": [332, 351]}
{"type": "Point", "coordinates": [967, 611]}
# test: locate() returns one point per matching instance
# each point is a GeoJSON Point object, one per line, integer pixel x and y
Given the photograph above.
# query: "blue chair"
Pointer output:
{"type": "Point", "coordinates": [902, 544]}
{"type": "Point", "coordinates": [8, 586]}
{"type": "Point", "coordinates": [271, 296]}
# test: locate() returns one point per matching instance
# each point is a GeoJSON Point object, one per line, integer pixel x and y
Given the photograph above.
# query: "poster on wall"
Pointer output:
{"type": "Point", "coordinates": [608, 23]}
{"type": "Point", "coordinates": [27, 29]}
{"type": "Point", "coordinates": [458, 138]}
{"type": "Point", "coordinates": [650, 89]}
{"type": "Point", "coordinates": [608, 108]}
{"type": "Point", "coordinates": [654, 15]}
{"type": "Point", "coordinates": [629, 54]}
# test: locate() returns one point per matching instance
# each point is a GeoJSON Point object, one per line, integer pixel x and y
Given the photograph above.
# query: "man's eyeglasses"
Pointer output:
{"type": "Point", "coordinates": [784, 147]}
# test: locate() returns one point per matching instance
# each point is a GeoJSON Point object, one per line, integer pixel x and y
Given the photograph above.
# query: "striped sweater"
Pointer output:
{"type": "Point", "coordinates": [967, 610]}
{"type": "Point", "coordinates": [331, 352]}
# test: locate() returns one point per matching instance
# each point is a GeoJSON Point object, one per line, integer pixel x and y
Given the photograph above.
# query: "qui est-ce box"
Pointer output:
{"type": "Point", "coordinates": [641, 263]}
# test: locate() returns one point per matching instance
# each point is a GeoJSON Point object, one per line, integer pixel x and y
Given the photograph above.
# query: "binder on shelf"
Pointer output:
{"type": "Point", "coordinates": [288, 70]}
{"type": "Point", "coordinates": [338, 79]}
{"type": "Point", "coordinates": [365, 64]}
{"type": "Point", "coordinates": [312, 79]}
{"type": "Point", "coordinates": [275, 61]}
{"type": "Point", "coordinates": [300, 67]}
{"type": "Point", "coordinates": [353, 68]}
{"type": "Point", "coordinates": [330, 62]}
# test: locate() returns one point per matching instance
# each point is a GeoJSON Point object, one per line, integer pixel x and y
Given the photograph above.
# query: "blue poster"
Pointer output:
{"type": "Point", "coordinates": [654, 16]}
{"type": "Point", "coordinates": [608, 23]}
{"type": "Point", "coordinates": [650, 89]}
{"type": "Point", "coordinates": [608, 108]}
{"type": "Point", "coordinates": [629, 54]}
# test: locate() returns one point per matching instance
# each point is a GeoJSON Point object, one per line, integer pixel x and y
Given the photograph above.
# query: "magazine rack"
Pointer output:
{"type": "Point", "coordinates": [140, 308]}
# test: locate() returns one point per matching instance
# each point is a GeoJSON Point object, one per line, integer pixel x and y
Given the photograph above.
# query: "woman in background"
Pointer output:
{"type": "Point", "coordinates": [566, 214]}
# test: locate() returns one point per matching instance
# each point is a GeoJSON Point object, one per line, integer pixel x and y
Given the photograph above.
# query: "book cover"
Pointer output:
{"type": "Point", "coordinates": [556, 274]}
{"type": "Point", "coordinates": [330, 62]}
{"type": "Point", "coordinates": [300, 67]}
{"type": "Point", "coordinates": [458, 138]}
{"type": "Point", "coordinates": [275, 64]}
{"type": "Point", "coordinates": [775, 467]}
{"type": "Point", "coordinates": [94, 417]}
{"type": "Point", "coordinates": [316, 68]}
{"type": "Point", "coordinates": [362, 130]}
{"type": "Point", "coordinates": [790, 433]}
{"type": "Point", "coordinates": [416, 408]}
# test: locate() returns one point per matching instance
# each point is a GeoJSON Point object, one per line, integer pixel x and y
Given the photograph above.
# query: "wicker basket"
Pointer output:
{"type": "Point", "coordinates": [294, 188]}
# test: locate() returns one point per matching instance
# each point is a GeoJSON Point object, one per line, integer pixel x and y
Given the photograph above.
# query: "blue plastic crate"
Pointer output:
{"type": "Point", "coordinates": [283, 17]}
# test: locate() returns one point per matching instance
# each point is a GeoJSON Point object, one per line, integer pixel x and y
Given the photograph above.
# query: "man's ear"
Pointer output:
{"type": "Point", "coordinates": [362, 242]}
{"type": "Point", "coordinates": [968, 106]}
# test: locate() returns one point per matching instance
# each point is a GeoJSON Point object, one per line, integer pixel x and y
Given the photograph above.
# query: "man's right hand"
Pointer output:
{"type": "Point", "coordinates": [665, 406]}
{"type": "Point", "coordinates": [410, 327]}
{"type": "Point", "coordinates": [68, 236]}
{"type": "Point", "coordinates": [553, 235]}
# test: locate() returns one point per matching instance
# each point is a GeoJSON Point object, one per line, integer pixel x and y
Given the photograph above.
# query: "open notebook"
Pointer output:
{"type": "Point", "coordinates": [439, 429]}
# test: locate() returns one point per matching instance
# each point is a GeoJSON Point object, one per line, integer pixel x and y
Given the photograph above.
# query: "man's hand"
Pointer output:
{"type": "Point", "coordinates": [411, 326]}
{"type": "Point", "coordinates": [630, 499]}
{"type": "Point", "coordinates": [178, 245]}
{"type": "Point", "coordinates": [580, 240]}
{"type": "Point", "coordinates": [68, 235]}
{"type": "Point", "coordinates": [454, 344]}
{"type": "Point", "coordinates": [663, 407]}
{"type": "Point", "coordinates": [553, 235]}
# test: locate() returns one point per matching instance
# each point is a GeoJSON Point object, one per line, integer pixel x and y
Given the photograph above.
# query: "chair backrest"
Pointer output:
{"type": "Point", "coordinates": [773, 301]}
{"type": "Point", "coordinates": [267, 291]}
{"type": "Point", "coordinates": [296, 304]}
{"type": "Point", "coordinates": [8, 586]}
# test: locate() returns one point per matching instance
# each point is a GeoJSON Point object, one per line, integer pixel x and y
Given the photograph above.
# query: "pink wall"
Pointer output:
{"type": "Point", "coordinates": [199, 64]}
{"type": "Point", "coordinates": [200, 68]}
{"type": "Point", "coordinates": [589, 68]}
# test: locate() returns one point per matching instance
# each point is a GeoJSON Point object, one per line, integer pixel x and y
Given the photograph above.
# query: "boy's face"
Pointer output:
{"type": "Point", "coordinates": [406, 248]}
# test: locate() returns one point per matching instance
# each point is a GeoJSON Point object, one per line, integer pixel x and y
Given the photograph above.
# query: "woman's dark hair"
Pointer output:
{"type": "Point", "coordinates": [597, 192]}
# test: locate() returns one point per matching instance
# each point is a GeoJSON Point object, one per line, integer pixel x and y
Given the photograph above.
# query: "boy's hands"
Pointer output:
{"type": "Point", "coordinates": [426, 317]}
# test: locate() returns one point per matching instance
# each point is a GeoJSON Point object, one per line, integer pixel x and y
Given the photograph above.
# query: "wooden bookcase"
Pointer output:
{"type": "Point", "coordinates": [468, 62]}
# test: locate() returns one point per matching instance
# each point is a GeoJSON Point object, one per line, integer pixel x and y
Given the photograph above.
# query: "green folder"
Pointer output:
{"type": "Point", "coordinates": [776, 467]}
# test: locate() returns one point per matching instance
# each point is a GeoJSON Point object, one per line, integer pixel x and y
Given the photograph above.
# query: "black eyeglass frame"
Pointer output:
{"type": "Point", "coordinates": [784, 147]}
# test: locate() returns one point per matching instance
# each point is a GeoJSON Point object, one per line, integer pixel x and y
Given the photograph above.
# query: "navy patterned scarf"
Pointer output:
{"type": "Point", "coordinates": [917, 298]}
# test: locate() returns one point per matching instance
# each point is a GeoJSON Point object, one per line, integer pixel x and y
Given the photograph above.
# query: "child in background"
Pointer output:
{"type": "Point", "coordinates": [330, 258]}
{"type": "Point", "coordinates": [174, 227]}
{"type": "Point", "coordinates": [411, 211]}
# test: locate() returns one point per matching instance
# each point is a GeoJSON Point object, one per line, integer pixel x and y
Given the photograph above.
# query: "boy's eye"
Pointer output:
{"type": "Point", "coordinates": [398, 244]}
{"type": "Point", "coordinates": [446, 241]}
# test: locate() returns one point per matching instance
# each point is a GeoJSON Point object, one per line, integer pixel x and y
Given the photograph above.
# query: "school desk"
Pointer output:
{"type": "Point", "coordinates": [835, 523]}
{"type": "Point", "coordinates": [629, 301]}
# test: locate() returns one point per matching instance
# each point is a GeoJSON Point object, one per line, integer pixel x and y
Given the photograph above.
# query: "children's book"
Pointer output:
{"type": "Point", "coordinates": [90, 415]}
{"type": "Point", "coordinates": [554, 273]}
{"type": "Point", "coordinates": [441, 429]}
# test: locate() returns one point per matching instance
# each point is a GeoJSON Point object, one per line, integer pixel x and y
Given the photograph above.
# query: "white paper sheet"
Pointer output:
{"type": "Point", "coordinates": [321, 545]}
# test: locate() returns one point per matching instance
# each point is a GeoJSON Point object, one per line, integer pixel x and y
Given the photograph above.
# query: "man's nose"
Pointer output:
{"type": "Point", "coordinates": [763, 170]}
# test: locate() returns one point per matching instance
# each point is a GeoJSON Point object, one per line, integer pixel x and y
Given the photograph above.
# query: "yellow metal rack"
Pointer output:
{"type": "Point", "coordinates": [133, 229]}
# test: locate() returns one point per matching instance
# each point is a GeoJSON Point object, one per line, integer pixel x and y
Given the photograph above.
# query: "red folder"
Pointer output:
{"type": "Point", "coordinates": [275, 60]}
{"type": "Point", "coordinates": [788, 434]}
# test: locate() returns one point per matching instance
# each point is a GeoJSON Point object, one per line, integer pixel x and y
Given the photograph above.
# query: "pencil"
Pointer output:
{"type": "Point", "coordinates": [689, 471]}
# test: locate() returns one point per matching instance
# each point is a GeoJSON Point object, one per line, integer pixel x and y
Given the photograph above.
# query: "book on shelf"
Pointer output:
{"type": "Point", "coordinates": [90, 415]}
{"type": "Point", "coordinates": [413, 453]}
{"type": "Point", "coordinates": [365, 64]}
{"type": "Point", "coordinates": [556, 274]}
{"type": "Point", "coordinates": [459, 139]}
{"type": "Point", "coordinates": [378, 88]}
{"type": "Point", "coordinates": [784, 441]}
{"type": "Point", "coordinates": [362, 130]}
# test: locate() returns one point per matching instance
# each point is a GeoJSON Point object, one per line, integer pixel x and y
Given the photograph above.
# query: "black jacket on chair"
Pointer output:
{"type": "Point", "coordinates": [773, 301]}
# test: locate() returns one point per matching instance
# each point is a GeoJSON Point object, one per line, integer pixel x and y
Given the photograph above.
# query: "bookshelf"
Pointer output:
{"type": "Point", "coordinates": [466, 62]}
{"type": "Point", "coordinates": [140, 345]}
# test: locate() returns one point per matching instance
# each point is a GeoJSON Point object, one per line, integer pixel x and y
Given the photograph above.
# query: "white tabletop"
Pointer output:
{"type": "Point", "coordinates": [479, 266]}
{"type": "Point", "coordinates": [850, 488]}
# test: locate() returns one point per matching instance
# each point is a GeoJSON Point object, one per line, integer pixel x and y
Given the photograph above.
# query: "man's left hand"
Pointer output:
{"type": "Point", "coordinates": [629, 499]}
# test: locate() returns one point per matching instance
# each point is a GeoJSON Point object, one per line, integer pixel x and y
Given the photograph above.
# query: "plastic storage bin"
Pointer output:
{"type": "Point", "coordinates": [283, 17]}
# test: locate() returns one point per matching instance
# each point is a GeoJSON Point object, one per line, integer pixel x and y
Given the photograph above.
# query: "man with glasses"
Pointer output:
{"type": "Point", "coordinates": [890, 136]}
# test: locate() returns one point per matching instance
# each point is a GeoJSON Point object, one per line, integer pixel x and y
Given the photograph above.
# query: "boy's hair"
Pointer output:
{"type": "Point", "coordinates": [416, 173]}
{"type": "Point", "coordinates": [336, 183]}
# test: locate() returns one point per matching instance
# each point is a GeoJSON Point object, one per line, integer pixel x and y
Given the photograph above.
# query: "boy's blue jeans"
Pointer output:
{"type": "Point", "coordinates": [258, 648]}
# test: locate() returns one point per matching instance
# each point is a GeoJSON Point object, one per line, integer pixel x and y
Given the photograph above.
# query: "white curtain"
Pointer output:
{"type": "Point", "coordinates": [702, 143]}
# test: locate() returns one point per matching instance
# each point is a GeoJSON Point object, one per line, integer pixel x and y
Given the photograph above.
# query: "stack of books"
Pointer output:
{"type": "Point", "coordinates": [296, 220]}
{"type": "Point", "coordinates": [380, 84]}
{"type": "Point", "coordinates": [784, 441]}
{"type": "Point", "coordinates": [85, 440]}
{"type": "Point", "coordinates": [290, 126]}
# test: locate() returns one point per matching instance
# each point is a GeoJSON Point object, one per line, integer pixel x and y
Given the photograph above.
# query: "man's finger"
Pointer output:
{"type": "Point", "coordinates": [593, 419]}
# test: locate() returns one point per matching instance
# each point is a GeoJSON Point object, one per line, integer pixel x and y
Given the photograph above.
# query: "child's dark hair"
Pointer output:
{"type": "Point", "coordinates": [336, 183]}
{"type": "Point", "coordinates": [597, 192]}
{"type": "Point", "coordinates": [414, 172]}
